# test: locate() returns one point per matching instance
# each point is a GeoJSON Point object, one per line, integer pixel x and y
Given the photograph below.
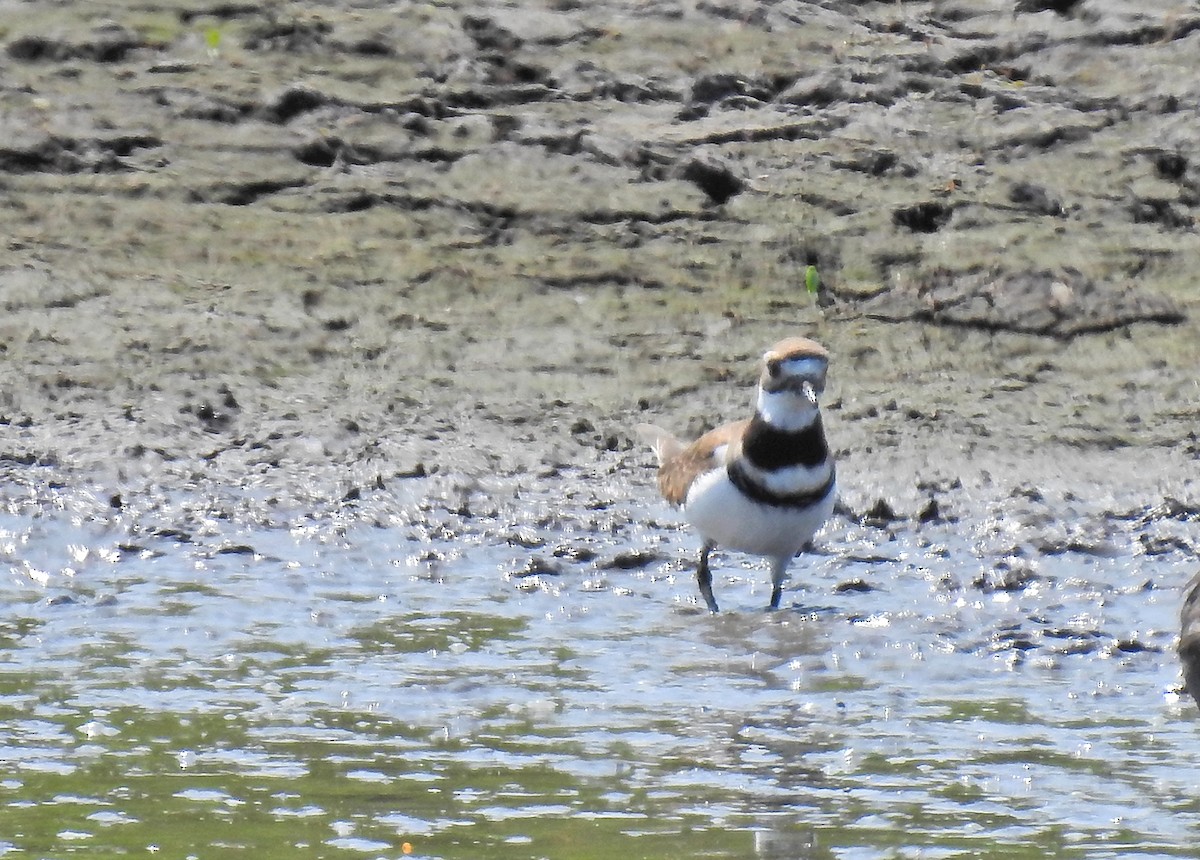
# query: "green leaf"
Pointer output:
{"type": "Point", "coordinates": [812, 280]}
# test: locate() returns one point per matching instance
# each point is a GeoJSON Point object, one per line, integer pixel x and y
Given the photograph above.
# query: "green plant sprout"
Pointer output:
{"type": "Point", "coordinates": [812, 280]}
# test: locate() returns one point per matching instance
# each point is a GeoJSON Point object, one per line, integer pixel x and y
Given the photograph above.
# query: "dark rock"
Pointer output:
{"type": "Point", "coordinates": [214, 421]}
{"type": "Point", "coordinates": [879, 514]}
{"type": "Point", "coordinates": [292, 102]}
{"type": "Point", "coordinates": [321, 152]}
{"type": "Point", "coordinates": [490, 36]}
{"type": "Point", "coordinates": [244, 193]}
{"type": "Point", "coordinates": [853, 586]}
{"type": "Point", "coordinates": [1013, 640]}
{"type": "Point", "coordinates": [31, 49]}
{"type": "Point", "coordinates": [68, 155]}
{"type": "Point", "coordinates": [1036, 199]}
{"type": "Point", "coordinates": [1028, 491]}
{"type": "Point", "coordinates": [525, 538]}
{"type": "Point", "coordinates": [1134, 646]}
{"type": "Point", "coordinates": [371, 46]}
{"type": "Point", "coordinates": [926, 217]}
{"type": "Point", "coordinates": [692, 112]}
{"type": "Point", "coordinates": [576, 553]}
{"type": "Point", "coordinates": [539, 566]}
{"type": "Point", "coordinates": [1151, 210]}
{"type": "Point", "coordinates": [1060, 7]}
{"type": "Point", "coordinates": [713, 176]}
{"type": "Point", "coordinates": [1095, 544]}
{"type": "Point", "coordinates": [1171, 165]}
{"type": "Point", "coordinates": [1158, 545]}
{"type": "Point", "coordinates": [1006, 578]}
{"type": "Point", "coordinates": [930, 513]}
{"type": "Point", "coordinates": [108, 44]}
{"type": "Point", "coordinates": [223, 11]}
{"type": "Point", "coordinates": [633, 559]}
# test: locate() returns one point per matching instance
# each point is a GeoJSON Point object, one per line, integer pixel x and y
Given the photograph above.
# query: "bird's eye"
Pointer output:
{"type": "Point", "coordinates": [773, 367]}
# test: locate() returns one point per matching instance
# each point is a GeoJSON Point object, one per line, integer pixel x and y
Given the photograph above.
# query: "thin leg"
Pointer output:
{"type": "Point", "coordinates": [704, 578]}
{"type": "Point", "coordinates": [779, 568]}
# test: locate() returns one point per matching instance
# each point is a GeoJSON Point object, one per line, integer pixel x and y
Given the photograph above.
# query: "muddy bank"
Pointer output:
{"type": "Point", "coordinates": [322, 332]}
{"type": "Point", "coordinates": [309, 257]}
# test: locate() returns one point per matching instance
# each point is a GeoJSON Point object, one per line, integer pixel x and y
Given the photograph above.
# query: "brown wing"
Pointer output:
{"type": "Point", "coordinates": [677, 472]}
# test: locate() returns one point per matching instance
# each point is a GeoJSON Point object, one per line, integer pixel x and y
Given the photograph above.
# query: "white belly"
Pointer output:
{"type": "Point", "coordinates": [726, 517]}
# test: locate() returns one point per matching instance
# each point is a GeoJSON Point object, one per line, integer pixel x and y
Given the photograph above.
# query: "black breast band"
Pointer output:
{"type": "Point", "coordinates": [770, 448]}
{"type": "Point", "coordinates": [763, 495]}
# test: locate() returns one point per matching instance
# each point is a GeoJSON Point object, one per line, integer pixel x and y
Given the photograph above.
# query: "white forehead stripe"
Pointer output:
{"type": "Point", "coordinates": [804, 365]}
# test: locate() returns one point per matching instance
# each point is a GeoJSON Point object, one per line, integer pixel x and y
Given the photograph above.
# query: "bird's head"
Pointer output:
{"type": "Point", "coordinates": [793, 377]}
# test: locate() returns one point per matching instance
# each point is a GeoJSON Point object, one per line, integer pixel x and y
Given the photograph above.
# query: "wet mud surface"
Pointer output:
{"type": "Point", "coordinates": [282, 283]}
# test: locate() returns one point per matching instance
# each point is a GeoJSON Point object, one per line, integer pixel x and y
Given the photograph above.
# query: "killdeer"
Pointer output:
{"type": "Point", "coordinates": [763, 485]}
{"type": "Point", "coordinates": [1189, 638]}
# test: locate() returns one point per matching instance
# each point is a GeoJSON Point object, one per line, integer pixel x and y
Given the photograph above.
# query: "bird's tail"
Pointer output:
{"type": "Point", "coordinates": [664, 445]}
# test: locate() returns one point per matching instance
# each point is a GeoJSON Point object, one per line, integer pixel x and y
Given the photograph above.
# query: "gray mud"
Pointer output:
{"type": "Point", "coordinates": [373, 295]}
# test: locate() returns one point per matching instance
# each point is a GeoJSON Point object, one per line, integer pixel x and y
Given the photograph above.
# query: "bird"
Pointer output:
{"type": "Point", "coordinates": [1189, 638]}
{"type": "Point", "coordinates": [763, 485]}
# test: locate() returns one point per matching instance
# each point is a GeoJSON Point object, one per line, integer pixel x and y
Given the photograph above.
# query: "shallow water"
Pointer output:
{"type": "Point", "coordinates": [526, 684]}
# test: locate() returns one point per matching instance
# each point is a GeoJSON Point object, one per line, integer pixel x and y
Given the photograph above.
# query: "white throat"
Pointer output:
{"type": "Point", "coordinates": [786, 410]}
